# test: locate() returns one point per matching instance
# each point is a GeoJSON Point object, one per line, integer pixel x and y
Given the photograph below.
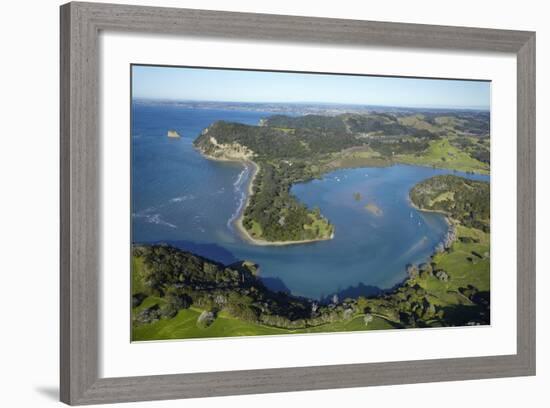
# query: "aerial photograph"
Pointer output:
{"type": "Point", "coordinates": [281, 203]}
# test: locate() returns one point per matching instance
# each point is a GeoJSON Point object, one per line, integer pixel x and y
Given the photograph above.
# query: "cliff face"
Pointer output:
{"type": "Point", "coordinates": [211, 147]}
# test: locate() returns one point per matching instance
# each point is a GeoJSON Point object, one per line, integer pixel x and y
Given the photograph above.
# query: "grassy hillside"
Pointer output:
{"type": "Point", "coordinates": [184, 326]}
{"type": "Point", "coordinates": [443, 154]}
{"type": "Point", "coordinates": [162, 277]}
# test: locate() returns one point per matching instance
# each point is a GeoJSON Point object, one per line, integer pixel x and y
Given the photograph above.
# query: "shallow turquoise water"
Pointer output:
{"type": "Point", "coordinates": [183, 199]}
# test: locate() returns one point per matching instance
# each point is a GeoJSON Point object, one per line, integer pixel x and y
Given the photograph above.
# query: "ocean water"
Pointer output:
{"type": "Point", "coordinates": [183, 199]}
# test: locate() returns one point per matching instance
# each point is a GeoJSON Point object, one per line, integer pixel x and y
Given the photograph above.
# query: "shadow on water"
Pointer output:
{"type": "Point", "coordinates": [219, 254]}
{"type": "Point", "coordinates": [275, 284]}
{"type": "Point", "coordinates": [214, 252]}
{"type": "Point", "coordinates": [354, 292]}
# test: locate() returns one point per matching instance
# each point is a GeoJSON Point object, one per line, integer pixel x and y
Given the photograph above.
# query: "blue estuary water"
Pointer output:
{"type": "Point", "coordinates": [183, 199]}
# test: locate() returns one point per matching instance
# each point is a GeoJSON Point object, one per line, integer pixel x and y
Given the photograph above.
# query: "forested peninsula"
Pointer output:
{"type": "Point", "coordinates": [286, 150]}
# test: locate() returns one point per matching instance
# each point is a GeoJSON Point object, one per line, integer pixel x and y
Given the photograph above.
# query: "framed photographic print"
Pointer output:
{"type": "Point", "coordinates": [259, 203]}
{"type": "Point", "coordinates": [231, 230]}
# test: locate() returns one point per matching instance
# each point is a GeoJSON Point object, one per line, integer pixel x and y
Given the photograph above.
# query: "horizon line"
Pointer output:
{"type": "Point", "coordinates": [483, 108]}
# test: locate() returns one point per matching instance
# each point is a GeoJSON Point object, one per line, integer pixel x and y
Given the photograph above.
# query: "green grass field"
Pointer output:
{"type": "Point", "coordinates": [442, 154]}
{"type": "Point", "coordinates": [353, 158]}
{"type": "Point", "coordinates": [137, 275]}
{"type": "Point", "coordinates": [463, 267]}
{"type": "Point", "coordinates": [256, 230]}
{"type": "Point", "coordinates": [320, 226]}
{"type": "Point", "coordinates": [184, 326]}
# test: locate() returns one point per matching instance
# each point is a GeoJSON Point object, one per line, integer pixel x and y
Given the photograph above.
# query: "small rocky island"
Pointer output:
{"type": "Point", "coordinates": [173, 134]}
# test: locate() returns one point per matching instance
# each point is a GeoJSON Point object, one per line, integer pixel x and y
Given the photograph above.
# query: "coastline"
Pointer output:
{"type": "Point", "coordinates": [451, 222]}
{"type": "Point", "coordinates": [238, 222]}
{"type": "Point", "coordinates": [481, 172]}
{"type": "Point", "coordinates": [245, 234]}
{"type": "Point", "coordinates": [413, 205]}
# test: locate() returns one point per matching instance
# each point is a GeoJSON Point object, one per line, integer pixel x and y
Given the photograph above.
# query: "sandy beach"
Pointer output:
{"type": "Point", "coordinates": [244, 232]}
{"type": "Point", "coordinates": [239, 220]}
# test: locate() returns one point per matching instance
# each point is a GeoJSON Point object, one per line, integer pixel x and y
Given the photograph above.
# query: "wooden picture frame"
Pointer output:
{"type": "Point", "coordinates": [81, 24]}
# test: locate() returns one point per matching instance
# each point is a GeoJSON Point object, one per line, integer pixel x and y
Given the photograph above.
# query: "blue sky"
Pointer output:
{"type": "Point", "coordinates": [253, 86]}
